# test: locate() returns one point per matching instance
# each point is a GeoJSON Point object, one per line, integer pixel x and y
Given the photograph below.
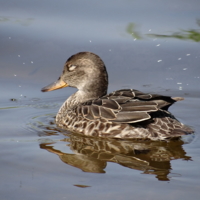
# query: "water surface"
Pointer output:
{"type": "Point", "coordinates": [150, 46]}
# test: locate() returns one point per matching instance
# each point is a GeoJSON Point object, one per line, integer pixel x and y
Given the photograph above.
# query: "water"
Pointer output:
{"type": "Point", "coordinates": [150, 46]}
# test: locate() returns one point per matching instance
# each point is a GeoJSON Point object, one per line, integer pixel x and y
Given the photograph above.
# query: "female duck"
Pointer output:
{"type": "Point", "coordinates": [125, 114]}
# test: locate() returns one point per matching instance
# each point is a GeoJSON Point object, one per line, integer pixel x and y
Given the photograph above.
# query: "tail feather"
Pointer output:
{"type": "Point", "coordinates": [185, 130]}
{"type": "Point", "coordinates": [178, 98]}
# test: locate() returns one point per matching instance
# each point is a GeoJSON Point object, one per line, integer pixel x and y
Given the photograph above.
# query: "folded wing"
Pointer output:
{"type": "Point", "coordinates": [124, 106]}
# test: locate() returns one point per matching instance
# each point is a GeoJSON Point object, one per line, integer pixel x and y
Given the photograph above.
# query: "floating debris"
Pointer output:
{"type": "Point", "coordinates": [147, 85]}
{"type": "Point", "coordinates": [82, 186]}
{"type": "Point", "coordinates": [13, 99]}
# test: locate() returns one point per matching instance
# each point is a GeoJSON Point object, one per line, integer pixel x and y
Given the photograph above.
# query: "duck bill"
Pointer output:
{"type": "Point", "coordinates": [54, 86]}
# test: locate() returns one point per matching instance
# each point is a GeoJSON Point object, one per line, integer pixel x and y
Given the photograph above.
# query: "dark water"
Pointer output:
{"type": "Point", "coordinates": [150, 46]}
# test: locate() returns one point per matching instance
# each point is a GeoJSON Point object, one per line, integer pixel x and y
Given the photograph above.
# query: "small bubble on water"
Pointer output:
{"type": "Point", "coordinates": [18, 55]}
{"type": "Point", "coordinates": [159, 61]}
{"type": "Point", "coordinates": [135, 39]}
{"type": "Point", "coordinates": [179, 58]}
{"type": "Point", "coordinates": [179, 83]}
{"type": "Point", "coordinates": [184, 68]}
{"type": "Point", "coordinates": [9, 38]}
{"type": "Point", "coordinates": [149, 30]}
{"type": "Point", "coordinates": [188, 54]}
{"type": "Point", "coordinates": [90, 41]}
{"type": "Point", "coordinates": [23, 63]}
{"type": "Point", "coordinates": [158, 45]}
{"type": "Point", "coordinates": [15, 75]}
{"type": "Point", "coordinates": [180, 88]}
{"type": "Point", "coordinates": [31, 62]}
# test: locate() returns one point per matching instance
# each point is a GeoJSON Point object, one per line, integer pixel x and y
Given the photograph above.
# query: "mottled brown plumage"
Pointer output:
{"type": "Point", "coordinates": [125, 114]}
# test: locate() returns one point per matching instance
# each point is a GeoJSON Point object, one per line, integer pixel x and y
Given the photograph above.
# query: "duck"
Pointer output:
{"type": "Point", "coordinates": [122, 114]}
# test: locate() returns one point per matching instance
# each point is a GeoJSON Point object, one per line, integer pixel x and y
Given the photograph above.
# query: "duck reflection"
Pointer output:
{"type": "Point", "coordinates": [92, 154]}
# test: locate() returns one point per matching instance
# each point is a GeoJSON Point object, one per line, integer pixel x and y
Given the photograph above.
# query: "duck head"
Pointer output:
{"type": "Point", "coordinates": [84, 71]}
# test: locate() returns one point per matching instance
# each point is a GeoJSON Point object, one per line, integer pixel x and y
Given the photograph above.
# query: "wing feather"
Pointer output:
{"type": "Point", "coordinates": [131, 117]}
{"type": "Point", "coordinates": [124, 106]}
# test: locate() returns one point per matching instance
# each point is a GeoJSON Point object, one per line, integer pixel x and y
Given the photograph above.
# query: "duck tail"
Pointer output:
{"type": "Point", "coordinates": [178, 98]}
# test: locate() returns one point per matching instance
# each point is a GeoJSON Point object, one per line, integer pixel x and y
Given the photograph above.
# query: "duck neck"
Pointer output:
{"type": "Point", "coordinates": [85, 94]}
{"type": "Point", "coordinates": [82, 96]}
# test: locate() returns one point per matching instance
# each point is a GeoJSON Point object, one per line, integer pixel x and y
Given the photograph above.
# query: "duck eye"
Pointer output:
{"type": "Point", "coordinates": [72, 67]}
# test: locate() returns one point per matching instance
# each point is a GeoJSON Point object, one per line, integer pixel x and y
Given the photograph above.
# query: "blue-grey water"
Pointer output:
{"type": "Point", "coordinates": [152, 46]}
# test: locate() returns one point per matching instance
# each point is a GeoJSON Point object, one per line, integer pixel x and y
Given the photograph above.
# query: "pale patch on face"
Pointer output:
{"type": "Point", "coordinates": [72, 68]}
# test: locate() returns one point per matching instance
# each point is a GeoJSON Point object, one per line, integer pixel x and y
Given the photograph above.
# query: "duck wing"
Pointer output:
{"type": "Point", "coordinates": [124, 106]}
{"type": "Point", "coordinates": [162, 102]}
